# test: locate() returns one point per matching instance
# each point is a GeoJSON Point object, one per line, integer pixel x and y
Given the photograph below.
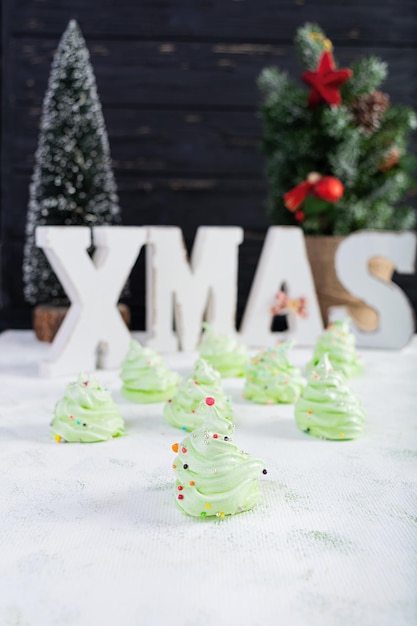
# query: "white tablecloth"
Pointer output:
{"type": "Point", "coordinates": [90, 534]}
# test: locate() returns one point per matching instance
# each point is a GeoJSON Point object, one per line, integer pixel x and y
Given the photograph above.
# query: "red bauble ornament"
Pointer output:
{"type": "Point", "coordinates": [329, 188]}
{"type": "Point", "coordinates": [326, 81]}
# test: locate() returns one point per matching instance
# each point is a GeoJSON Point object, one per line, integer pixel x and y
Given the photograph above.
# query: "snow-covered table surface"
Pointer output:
{"type": "Point", "coordinates": [90, 534]}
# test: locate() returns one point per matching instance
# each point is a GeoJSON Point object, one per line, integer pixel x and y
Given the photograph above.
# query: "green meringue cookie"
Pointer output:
{"type": "Point", "coordinates": [339, 343]}
{"type": "Point", "coordinates": [214, 477]}
{"type": "Point", "coordinates": [86, 413]}
{"type": "Point", "coordinates": [145, 377]}
{"type": "Point", "coordinates": [328, 407]}
{"type": "Point", "coordinates": [183, 411]}
{"type": "Point", "coordinates": [223, 352]}
{"type": "Point", "coordinates": [270, 378]}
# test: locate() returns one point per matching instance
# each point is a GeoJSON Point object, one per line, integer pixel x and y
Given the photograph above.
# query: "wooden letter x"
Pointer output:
{"type": "Point", "coordinates": [93, 286]}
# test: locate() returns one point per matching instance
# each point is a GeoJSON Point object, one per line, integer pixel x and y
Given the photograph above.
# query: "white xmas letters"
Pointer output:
{"type": "Point", "coordinates": [93, 322]}
{"type": "Point", "coordinates": [185, 293]}
{"type": "Point", "coordinates": [189, 292]}
{"type": "Point", "coordinates": [283, 259]}
{"type": "Point", "coordinates": [396, 323]}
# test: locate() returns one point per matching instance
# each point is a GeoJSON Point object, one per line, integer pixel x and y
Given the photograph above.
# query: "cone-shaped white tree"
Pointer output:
{"type": "Point", "coordinates": [73, 182]}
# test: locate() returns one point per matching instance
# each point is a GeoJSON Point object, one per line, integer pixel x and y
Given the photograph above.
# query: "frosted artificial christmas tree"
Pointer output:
{"type": "Point", "coordinates": [337, 159]}
{"type": "Point", "coordinates": [336, 149]}
{"type": "Point", "coordinates": [73, 183]}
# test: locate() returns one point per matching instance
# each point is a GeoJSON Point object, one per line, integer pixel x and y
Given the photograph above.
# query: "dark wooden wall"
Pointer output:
{"type": "Point", "coordinates": [177, 82]}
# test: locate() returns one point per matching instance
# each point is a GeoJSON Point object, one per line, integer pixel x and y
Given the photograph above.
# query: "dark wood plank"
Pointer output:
{"type": "Point", "coordinates": [159, 142]}
{"type": "Point", "coordinates": [186, 75]}
{"type": "Point", "coordinates": [177, 79]}
{"type": "Point", "coordinates": [393, 21]}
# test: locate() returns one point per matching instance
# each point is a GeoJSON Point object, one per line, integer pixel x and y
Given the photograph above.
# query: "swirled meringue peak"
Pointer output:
{"type": "Point", "coordinates": [86, 413]}
{"type": "Point", "coordinates": [145, 376]}
{"type": "Point", "coordinates": [214, 477]}
{"type": "Point", "coordinates": [183, 410]}
{"type": "Point", "coordinates": [223, 352]}
{"type": "Point", "coordinates": [270, 377]}
{"type": "Point", "coordinates": [339, 343]}
{"type": "Point", "coordinates": [328, 408]}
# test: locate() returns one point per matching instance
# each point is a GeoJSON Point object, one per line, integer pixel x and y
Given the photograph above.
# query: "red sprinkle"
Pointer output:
{"type": "Point", "coordinates": [183, 450]}
{"type": "Point", "coordinates": [180, 487]}
{"type": "Point", "coordinates": [215, 436]}
{"type": "Point", "coordinates": [180, 496]}
{"type": "Point", "coordinates": [210, 401]}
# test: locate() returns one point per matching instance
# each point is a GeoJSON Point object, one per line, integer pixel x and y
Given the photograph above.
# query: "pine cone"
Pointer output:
{"type": "Point", "coordinates": [368, 110]}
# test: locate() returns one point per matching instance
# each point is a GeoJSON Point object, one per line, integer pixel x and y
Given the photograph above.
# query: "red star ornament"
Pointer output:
{"type": "Point", "coordinates": [326, 81]}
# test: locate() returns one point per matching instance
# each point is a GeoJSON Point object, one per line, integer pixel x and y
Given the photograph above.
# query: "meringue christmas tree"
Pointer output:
{"type": "Point", "coordinates": [336, 150]}
{"type": "Point", "coordinates": [214, 477]}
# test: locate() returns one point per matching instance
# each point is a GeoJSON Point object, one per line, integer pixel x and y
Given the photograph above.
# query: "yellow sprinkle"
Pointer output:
{"type": "Point", "coordinates": [57, 438]}
{"type": "Point", "coordinates": [341, 435]}
{"type": "Point", "coordinates": [309, 411]}
{"type": "Point", "coordinates": [208, 505]}
{"type": "Point", "coordinates": [222, 514]}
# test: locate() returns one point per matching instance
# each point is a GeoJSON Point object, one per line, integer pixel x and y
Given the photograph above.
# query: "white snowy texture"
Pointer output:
{"type": "Point", "coordinates": [90, 533]}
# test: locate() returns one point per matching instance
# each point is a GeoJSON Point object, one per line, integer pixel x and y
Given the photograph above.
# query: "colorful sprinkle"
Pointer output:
{"type": "Point", "coordinates": [180, 496]}
{"type": "Point", "coordinates": [203, 514]}
{"type": "Point", "coordinates": [341, 435]}
{"type": "Point", "coordinates": [180, 487]}
{"type": "Point", "coordinates": [192, 483]}
{"type": "Point", "coordinates": [310, 412]}
{"type": "Point", "coordinates": [185, 466]}
{"type": "Point", "coordinates": [210, 401]}
{"type": "Point", "coordinates": [71, 417]}
{"type": "Point", "coordinates": [174, 466]}
{"type": "Point", "coordinates": [174, 447]}
{"type": "Point", "coordinates": [183, 449]}
{"type": "Point", "coordinates": [215, 436]}
{"type": "Point", "coordinates": [264, 471]}
{"type": "Point", "coordinates": [208, 505]}
{"type": "Point", "coordinates": [57, 438]}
